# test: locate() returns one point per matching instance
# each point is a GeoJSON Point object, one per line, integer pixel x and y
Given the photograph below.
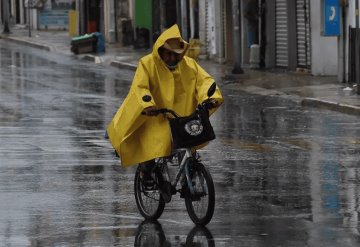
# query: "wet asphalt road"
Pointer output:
{"type": "Point", "coordinates": [284, 175]}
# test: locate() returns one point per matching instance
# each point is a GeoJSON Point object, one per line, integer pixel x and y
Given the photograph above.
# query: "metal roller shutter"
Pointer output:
{"type": "Point", "coordinates": [207, 33]}
{"type": "Point", "coordinates": [281, 33]}
{"type": "Point", "coordinates": [303, 33]}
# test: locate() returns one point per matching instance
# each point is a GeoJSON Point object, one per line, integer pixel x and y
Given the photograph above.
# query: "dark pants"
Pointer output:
{"type": "Point", "coordinates": [147, 166]}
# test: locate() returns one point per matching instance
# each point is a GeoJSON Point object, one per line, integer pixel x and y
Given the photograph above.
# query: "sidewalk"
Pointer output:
{"type": "Point", "coordinates": [313, 91]}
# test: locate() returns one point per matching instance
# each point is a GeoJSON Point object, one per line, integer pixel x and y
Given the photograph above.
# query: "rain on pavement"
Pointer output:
{"type": "Point", "coordinates": [284, 175]}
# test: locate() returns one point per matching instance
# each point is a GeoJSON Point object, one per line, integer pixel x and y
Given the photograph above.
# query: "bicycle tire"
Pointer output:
{"type": "Point", "coordinates": [154, 211]}
{"type": "Point", "coordinates": [198, 172]}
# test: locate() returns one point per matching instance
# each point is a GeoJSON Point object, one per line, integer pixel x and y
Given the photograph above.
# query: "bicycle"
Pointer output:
{"type": "Point", "coordinates": [193, 180]}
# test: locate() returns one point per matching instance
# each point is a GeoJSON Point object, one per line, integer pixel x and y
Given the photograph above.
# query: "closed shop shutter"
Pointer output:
{"type": "Point", "coordinates": [281, 33]}
{"type": "Point", "coordinates": [223, 30]}
{"type": "Point", "coordinates": [207, 33]}
{"type": "Point", "coordinates": [303, 33]}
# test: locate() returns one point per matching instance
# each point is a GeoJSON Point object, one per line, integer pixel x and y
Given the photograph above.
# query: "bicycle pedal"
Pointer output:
{"type": "Point", "coordinates": [183, 195]}
{"type": "Point", "coordinates": [184, 192]}
{"type": "Point", "coordinates": [166, 191]}
{"type": "Point", "coordinates": [197, 196]}
{"type": "Point", "coordinates": [148, 184]}
{"type": "Point", "coordinates": [166, 197]}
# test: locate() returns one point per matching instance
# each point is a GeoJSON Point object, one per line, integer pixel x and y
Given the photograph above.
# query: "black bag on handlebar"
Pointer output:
{"type": "Point", "coordinates": [193, 130]}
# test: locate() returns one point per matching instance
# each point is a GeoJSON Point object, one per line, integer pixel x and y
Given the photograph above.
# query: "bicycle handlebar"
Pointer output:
{"type": "Point", "coordinates": [162, 111]}
{"type": "Point", "coordinates": [208, 104]}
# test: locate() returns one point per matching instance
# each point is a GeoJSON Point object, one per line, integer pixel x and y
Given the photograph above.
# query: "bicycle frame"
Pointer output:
{"type": "Point", "coordinates": [184, 164]}
{"type": "Point", "coordinates": [183, 168]}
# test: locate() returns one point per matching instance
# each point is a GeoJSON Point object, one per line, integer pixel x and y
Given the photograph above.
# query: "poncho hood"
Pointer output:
{"type": "Point", "coordinates": [171, 33]}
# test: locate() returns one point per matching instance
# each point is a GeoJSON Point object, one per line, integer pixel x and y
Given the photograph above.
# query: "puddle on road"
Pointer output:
{"type": "Point", "coordinates": [303, 144]}
{"type": "Point", "coordinates": [247, 145]}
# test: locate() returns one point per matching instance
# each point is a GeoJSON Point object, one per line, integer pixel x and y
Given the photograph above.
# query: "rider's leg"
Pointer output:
{"type": "Point", "coordinates": [145, 168]}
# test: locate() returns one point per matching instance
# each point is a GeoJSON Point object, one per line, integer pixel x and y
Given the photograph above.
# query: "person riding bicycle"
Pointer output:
{"type": "Point", "coordinates": [173, 81]}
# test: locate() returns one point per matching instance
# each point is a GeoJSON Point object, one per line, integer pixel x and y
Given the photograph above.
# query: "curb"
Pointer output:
{"type": "Point", "coordinates": [123, 65]}
{"type": "Point", "coordinates": [25, 42]}
{"type": "Point", "coordinates": [329, 105]}
{"type": "Point", "coordinates": [92, 58]}
{"type": "Point", "coordinates": [306, 102]}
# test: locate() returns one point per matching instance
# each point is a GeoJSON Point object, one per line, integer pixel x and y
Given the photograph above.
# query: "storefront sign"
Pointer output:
{"type": "Point", "coordinates": [55, 14]}
{"type": "Point", "coordinates": [331, 18]}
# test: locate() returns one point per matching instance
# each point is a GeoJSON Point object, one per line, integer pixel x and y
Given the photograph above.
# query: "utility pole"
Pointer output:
{"type": "Point", "coordinates": [29, 16]}
{"type": "Point", "coordinates": [236, 37]}
{"type": "Point", "coordinates": [357, 47]}
{"type": "Point", "coordinates": [6, 16]}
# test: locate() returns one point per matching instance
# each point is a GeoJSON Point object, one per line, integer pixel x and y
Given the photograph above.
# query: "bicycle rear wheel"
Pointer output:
{"type": "Point", "coordinates": [149, 202]}
{"type": "Point", "coordinates": [201, 204]}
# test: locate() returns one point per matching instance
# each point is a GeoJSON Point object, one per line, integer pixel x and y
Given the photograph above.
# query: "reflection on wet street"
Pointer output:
{"type": "Point", "coordinates": [151, 233]}
{"type": "Point", "coordinates": [284, 175]}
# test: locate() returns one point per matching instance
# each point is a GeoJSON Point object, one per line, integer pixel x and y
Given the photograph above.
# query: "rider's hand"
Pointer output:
{"type": "Point", "coordinates": [150, 111]}
{"type": "Point", "coordinates": [213, 103]}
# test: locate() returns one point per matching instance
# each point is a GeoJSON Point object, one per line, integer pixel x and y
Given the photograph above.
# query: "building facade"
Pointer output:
{"type": "Point", "coordinates": [289, 34]}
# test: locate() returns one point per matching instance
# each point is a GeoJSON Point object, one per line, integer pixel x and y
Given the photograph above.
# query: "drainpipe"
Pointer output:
{"type": "Point", "coordinates": [236, 37]}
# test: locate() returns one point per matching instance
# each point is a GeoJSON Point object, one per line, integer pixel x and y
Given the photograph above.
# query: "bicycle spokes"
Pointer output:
{"type": "Point", "coordinates": [200, 204]}
{"type": "Point", "coordinates": [149, 201]}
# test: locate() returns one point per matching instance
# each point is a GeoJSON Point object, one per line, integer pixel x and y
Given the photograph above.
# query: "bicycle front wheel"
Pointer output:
{"type": "Point", "coordinates": [149, 202]}
{"type": "Point", "coordinates": [200, 205]}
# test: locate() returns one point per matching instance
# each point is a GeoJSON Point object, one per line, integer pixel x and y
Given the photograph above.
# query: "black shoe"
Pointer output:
{"type": "Point", "coordinates": [148, 182]}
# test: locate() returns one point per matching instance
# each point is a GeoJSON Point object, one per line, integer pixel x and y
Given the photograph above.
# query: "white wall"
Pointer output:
{"type": "Point", "coordinates": [211, 28]}
{"type": "Point", "coordinates": [215, 29]}
{"type": "Point", "coordinates": [351, 13]}
{"type": "Point", "coordinates": [109, 21]}
{"type": "Point", "coordinates": [34, 19]}
{"type": "Point", "coordinates": [324, 50]}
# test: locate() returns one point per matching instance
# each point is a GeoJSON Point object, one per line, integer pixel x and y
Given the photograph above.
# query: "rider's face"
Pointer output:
{"type": "Point", "coordinates": [169, 57]}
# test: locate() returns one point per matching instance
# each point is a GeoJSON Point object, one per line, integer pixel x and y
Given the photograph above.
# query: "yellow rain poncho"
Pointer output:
{"type": "Point", "coordinates": [138, 138]}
